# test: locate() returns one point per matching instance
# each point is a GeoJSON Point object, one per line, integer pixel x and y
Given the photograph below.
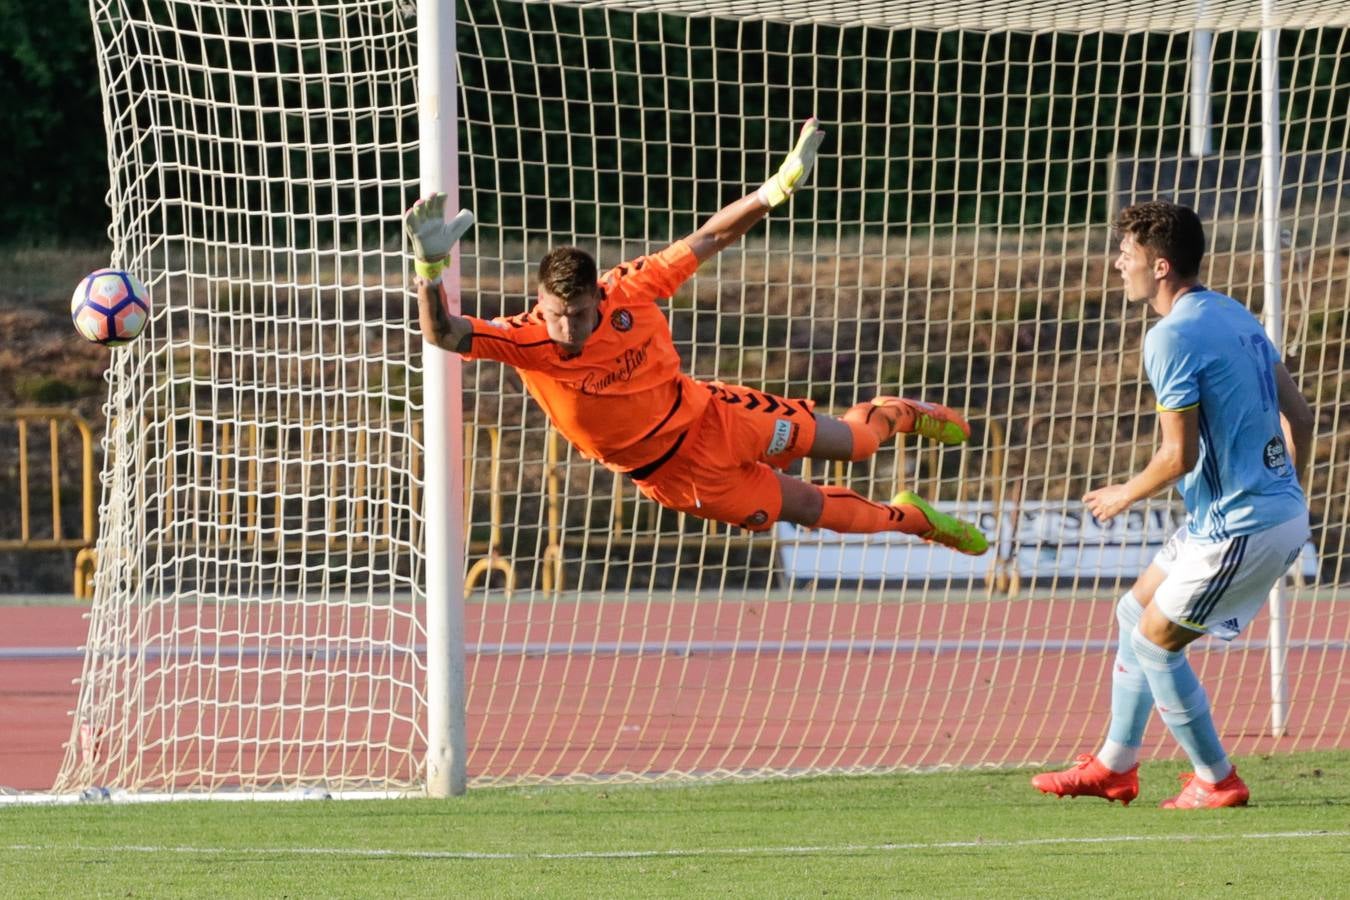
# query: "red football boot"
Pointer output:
{"type": "Point", "coordinates": [1089, 778]}
{"type": "Point", "coordinates": [1196, 793]}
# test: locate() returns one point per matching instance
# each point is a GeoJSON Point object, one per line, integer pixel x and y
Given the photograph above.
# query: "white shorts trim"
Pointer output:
{"type": "Point", "coordinates": [1217, 587]}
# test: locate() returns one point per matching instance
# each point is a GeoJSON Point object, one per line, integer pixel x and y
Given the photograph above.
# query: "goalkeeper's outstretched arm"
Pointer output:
{"type": "Point", "coordinates": [439, 326]}
{"type": "Point", "coordinates": [731, 222]}
{"type": "Point", "coordinates": [432, 239]}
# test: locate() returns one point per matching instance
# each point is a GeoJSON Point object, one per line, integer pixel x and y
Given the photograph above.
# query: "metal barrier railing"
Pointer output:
{"type": "Point", "coordinates": [553, 555]}
{"type": "Point", "coordinates": [358, 515]}
{"type": "Point", "coordinates": [25, 418]}
{"type": "Point", "coordinates": [494, 560]}
{"type": "Point", "coordinates": [1002, 577]}
{"type": "Point", "coordinates": [248, 520]}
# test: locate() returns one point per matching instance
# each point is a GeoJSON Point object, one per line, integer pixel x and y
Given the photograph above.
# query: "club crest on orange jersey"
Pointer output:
{"type": "Point", "coordinates": [621, 319]}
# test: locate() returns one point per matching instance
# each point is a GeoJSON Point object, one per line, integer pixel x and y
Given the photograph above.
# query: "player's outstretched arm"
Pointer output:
{"type": "Point", "coordinates": [432, 239]}
{"type": "Point", "coordinates": [732, 222]}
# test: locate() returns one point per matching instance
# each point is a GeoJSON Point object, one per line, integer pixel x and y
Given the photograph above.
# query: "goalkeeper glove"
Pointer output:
{"type": "Point", "coordinates": [431, 236]}
{"type": "Point", "coordinates": [795, 169]}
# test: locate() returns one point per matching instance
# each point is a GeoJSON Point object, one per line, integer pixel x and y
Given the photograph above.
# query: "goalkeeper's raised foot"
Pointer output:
{"type": "Point", "coordinates": [431, 236]}
{"type": "Point", "coordinates": [931, 420]}
{"type": "Point", "coordinates": [943, 529]}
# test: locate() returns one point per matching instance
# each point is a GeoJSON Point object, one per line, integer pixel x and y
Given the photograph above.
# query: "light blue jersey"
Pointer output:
{"type": "Point", "coordinates": [1210, 352]}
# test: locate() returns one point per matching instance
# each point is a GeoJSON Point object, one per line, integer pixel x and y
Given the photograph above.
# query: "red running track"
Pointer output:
{"type": "Point", "coordinates": [654, 687]}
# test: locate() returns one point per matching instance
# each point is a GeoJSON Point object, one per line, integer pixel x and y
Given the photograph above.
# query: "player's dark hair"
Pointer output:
{"type": "Point", "coordinates": [1166, 230]}
{"type": "Point", "coordinates": [567, 272]}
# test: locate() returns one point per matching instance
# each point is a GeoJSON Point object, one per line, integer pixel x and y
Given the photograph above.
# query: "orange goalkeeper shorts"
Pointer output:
{"type": "Point", "coordinates": [723, 468]}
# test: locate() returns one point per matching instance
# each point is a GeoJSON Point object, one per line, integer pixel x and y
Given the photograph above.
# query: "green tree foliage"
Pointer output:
{"type": "Point", "coordinates": [565, 107]}
{"type": "Point", "coordinates": [53, 162]}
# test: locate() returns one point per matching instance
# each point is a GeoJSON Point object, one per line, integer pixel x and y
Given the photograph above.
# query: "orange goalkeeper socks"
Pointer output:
{"type": "Point", "coordinates": [885, 417]}
{"type": "Point", "coordinates": [875, 422]}
{"type": "Point", "coordinates": [848, 512]}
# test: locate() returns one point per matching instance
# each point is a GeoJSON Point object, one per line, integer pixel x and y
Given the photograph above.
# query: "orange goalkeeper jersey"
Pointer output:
{"type": "Point", "coordinates": [623, 400]}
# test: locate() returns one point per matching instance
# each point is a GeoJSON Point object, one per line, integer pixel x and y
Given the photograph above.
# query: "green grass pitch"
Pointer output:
{"type": "Point", "coordinates": [981, 833]}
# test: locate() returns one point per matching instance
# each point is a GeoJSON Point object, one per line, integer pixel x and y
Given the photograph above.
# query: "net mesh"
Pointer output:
{"type": "Point", "coordinates": [258, 538]}
{"type": "Point", "coordinates": [257, 620]}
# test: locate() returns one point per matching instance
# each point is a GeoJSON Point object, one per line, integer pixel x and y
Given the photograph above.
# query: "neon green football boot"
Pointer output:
{"type": "Point", "coordinates": [946, 530]}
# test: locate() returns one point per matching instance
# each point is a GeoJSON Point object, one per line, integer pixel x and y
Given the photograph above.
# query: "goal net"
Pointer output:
{"type": "Point", "coordinates": [260, 615]}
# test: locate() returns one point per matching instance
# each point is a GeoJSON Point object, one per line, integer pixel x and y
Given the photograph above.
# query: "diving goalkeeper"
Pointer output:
{"type": "Point", "coordinates": [596, 353]}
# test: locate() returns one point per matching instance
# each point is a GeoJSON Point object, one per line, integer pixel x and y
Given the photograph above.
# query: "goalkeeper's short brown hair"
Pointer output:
{"type": "Point", "coordinates": [1166, 230]}
{"type": "Point", "coordinates": [567, 272]}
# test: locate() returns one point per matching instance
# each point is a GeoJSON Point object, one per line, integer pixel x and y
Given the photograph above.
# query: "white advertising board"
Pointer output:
{"type": "Point", "coordinates": [1042, 539]}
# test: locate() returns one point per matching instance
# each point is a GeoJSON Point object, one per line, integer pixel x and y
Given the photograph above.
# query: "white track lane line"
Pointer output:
{"type": "Point", "coordinates": [822, 850]}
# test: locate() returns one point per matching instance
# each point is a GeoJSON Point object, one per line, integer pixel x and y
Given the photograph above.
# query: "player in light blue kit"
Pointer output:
{"type": "Point", "coordinates": [1228, 412]}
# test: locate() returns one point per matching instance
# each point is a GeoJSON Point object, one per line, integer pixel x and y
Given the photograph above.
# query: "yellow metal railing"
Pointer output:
{"type": "Point", "coordinates": [553, 556]}
{"type": "Point", "coordinates": [246, 523]}
{"type": "Point", "coordinates": [26, 418]}
{"type": "Point", "coordinates": [494, 559]}
{"type": "Point", "coordinates": [357, 515]}
{"type": "Point", "coordinates": [1002, 575]}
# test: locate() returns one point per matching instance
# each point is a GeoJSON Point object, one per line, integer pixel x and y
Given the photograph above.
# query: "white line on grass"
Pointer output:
{"type": "Point", "coordinates": [360, 852]}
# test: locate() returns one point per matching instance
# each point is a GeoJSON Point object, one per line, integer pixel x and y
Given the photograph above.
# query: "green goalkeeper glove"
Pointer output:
{"type": "Point", "coordinates": [432, 236]}
{"type": "Point", "coordinates": [795, 169]}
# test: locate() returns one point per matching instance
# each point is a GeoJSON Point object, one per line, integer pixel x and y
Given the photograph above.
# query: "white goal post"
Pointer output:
{"type": "Point", "coordinates": [296, 488]}
{"type": "Point", "coordinates": [446, 686]}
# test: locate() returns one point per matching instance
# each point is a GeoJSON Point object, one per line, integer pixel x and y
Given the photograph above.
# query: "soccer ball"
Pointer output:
{"type": "Point", "coordinates": [110, 307]}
